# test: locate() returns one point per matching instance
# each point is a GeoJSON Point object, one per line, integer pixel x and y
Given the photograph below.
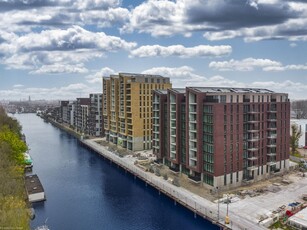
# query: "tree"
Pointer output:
{"type": "Point", "coordinates": [296, 133]}
{"type": "Point", "coordinates": [13, 207]}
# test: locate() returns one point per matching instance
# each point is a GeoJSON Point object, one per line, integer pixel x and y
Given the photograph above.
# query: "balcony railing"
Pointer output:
{"type": "Point", "coordinates": [196, 179]}
{"type": "Point", "coordinates": [252, 167]}
{"type": "Point", "coordinates": [253, 158]}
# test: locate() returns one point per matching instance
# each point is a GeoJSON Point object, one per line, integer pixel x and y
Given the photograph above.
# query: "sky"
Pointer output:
{"type": "Point", "coordinates": [61, 49]}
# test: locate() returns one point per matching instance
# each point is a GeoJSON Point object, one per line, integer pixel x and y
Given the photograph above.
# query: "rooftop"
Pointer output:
{"type": "Point", "coordinates": [33, 184]}
{"type": "Point", "coordinates": [230, 90]}
{"type": "Point", "coordinates": [140, 75]}
{"type": "Point", "coordinates": [161, 91]}
{"type": "Point", "coordinates": [179, 90]}
{"type": "Point", "coordinates": [300, 217]}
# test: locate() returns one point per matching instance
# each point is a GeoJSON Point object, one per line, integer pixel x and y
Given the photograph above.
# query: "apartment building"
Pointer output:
{"type": "Point", "coordinates": [159, 132]}
{"type": "Point", "coordinates": [82, 114]}
{"type": "Point", "coordinates": [64, 111]}
{"type": "Point", "coordinates": [223, 137]}
{"type": "Point", "coordinates": [127, 108]}
{"type": "Point", "coordinates": [95, 121]}
{"type": "Point", "coordinates": [71, 111]}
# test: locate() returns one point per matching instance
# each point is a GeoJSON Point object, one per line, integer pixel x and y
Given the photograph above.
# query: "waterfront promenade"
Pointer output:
{"type": "Point", "coordinates": [197, 204]}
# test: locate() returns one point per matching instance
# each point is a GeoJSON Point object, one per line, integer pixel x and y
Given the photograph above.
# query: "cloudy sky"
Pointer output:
{"type": "Point", "coordinates": [60, 49]}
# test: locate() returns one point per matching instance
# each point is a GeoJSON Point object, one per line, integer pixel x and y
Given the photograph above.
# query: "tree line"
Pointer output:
{"type": "Point", "coordinates": [13, 206]}
{"type": "Point", "coordinates": [299, 108]}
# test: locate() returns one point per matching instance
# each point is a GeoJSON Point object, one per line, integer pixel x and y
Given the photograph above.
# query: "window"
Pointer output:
{"type": "Point", "coordinates": [223, 98]}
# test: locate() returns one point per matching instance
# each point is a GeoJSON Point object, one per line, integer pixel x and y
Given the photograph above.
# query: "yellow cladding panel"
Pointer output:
{"type": "Point", "coordinates": [137, 122]}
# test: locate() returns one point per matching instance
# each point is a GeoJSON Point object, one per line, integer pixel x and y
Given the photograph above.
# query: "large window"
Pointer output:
{"type": "Point", "coordinates": [208, 118]}
{"type": "Point", "coordinates": [208, 179]}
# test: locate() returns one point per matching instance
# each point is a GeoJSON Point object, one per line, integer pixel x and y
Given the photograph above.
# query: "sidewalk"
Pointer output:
{"type": "Point", "coordinates": [199, 205]}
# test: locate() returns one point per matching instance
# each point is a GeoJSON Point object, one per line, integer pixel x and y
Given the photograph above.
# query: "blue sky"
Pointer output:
{"type": "Point", "coordinates": [61, 49]}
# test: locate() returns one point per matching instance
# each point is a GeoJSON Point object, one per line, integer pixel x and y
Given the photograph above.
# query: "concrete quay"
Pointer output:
{"type": "Point", "coordinates": [197, 204]}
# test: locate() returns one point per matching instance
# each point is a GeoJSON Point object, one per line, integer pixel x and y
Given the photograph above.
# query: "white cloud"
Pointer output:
{"type": "Point", "coordinates": [105, 18]}
{"type": "Point", "coordinates": [253, 20]}
{"type": "Point", "coordinates": [95, 4]}
{"type": "Point", "coordinates": [181, 51]}
{"type": "Point", "coordinates": [185, 76]}
{"type": "Point", "coordinates": [59, 68]}
{"type": "Point", "coordinates": [292, 44]}
{"type": "Point", "coordinates": [97, 77]}
{"type": "Point", "coordinates": [250, 64]}
{"type": "Point", "coordinates": [52, 50]}
{"type": "Point", "coordinates": [180, 76]}
{"type": "Point", "coordinates": [284, 68]}
{"type": "Point", "coordinates": [158, 18]}
{"type": "Point", "coordinates": [247, 64]}
{"type": "Point", "coordinates": [18, 86]}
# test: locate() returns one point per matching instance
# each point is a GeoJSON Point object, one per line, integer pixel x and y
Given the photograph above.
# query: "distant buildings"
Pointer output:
{"type": "Point", "coordinates": [84, 115]}
{"type": "Point", "coordinates": [127, 109]}
{"type": "Point", "coordinates": [222, 136]}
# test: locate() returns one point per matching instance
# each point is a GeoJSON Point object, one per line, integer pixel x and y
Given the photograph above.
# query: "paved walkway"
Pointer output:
{"type": "Point", "coordinates": [239, 217]}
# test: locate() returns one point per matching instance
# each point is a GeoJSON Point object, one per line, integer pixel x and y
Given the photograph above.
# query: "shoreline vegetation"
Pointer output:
{"type": "Point", "coordinates": [14, 212]}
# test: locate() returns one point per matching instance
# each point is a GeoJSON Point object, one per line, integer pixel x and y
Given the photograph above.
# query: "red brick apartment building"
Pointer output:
{"type": "Point", "coordinates": [222, 137]}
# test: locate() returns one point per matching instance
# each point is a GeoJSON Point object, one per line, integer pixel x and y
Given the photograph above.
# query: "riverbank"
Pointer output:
{"type": "Point", "coordinates": [14, 212]}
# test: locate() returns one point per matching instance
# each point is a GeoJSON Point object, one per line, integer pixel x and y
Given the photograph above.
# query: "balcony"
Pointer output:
{"type": "Point", "coordinates": [271, 154]}
{"type": "Point", "coordinates": [271, 128]}
{"type": "Point", "coordinates": [271, 145]}
{"type": "Point", "coordinates": [270, 163]}
{"type": "Point", "coordinates": [253, 121]}
{"type": "Point", "coordinates": [253, 112]}
{"type": "Point", "coordinates": [252, 130]}
{"type": "Point", "coordinates": [194, 179]}
{"type": "Point", "coordinates": [174, 169]}
{"type": "Point", "coordinates": [252, 149]}
{"type": "Point", "coordinates": [253, 158]}
{"type": "Point", "coordinates": [253, 139]}
{"type": "Point", "coordinates": [252, 167]}
{"type": "Point", "coordinates": [193, 159]}
{"type": "Point", "coordinates": [272, 136]}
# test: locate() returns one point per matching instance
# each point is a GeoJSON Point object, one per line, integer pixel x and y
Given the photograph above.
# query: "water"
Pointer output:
{"type": "Point", "coordinates": [84, 191]}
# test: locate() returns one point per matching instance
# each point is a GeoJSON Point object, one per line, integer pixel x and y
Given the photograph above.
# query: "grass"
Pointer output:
{"type": "Point", "coordinates": [296, 154]}
{"type": "Point", "coordinates": [280, 225]}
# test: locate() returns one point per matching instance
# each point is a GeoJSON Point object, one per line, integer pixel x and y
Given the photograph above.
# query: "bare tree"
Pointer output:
{"type": "Point", "coordinates": [299, 108]}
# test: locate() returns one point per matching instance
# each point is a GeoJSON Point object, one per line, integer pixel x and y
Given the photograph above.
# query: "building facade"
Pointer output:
{"type": "Point", "coordinates": [95, 121]}
{"type": "Point", "coordinates": [224, 137]}
{"type": "Point", "coordinates": [82, 114]}
{"type": "Point", "coordinates": [159, 133]}
{"type": "Point", "coordinates": [64, 111]}
{"type": "Point", "coordinates": [127, 109]}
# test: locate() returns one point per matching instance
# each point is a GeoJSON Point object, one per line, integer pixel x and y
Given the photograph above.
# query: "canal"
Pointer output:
{"type": "Point", "coordinates": [85, 191]}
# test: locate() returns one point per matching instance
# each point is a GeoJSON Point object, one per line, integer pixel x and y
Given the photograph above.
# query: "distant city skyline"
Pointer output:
{"type": "Point", "coordinates": [61, 49]}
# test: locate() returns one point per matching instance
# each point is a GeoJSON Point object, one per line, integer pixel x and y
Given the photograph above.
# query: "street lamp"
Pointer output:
{"type": "Point", "coordinates": [227, 217]}
{"type": "Point", "coordinates": [218, 204]}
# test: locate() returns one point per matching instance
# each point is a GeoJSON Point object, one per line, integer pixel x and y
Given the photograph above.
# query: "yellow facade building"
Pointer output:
{"type": "Point", "coordinates": [127, 108]}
